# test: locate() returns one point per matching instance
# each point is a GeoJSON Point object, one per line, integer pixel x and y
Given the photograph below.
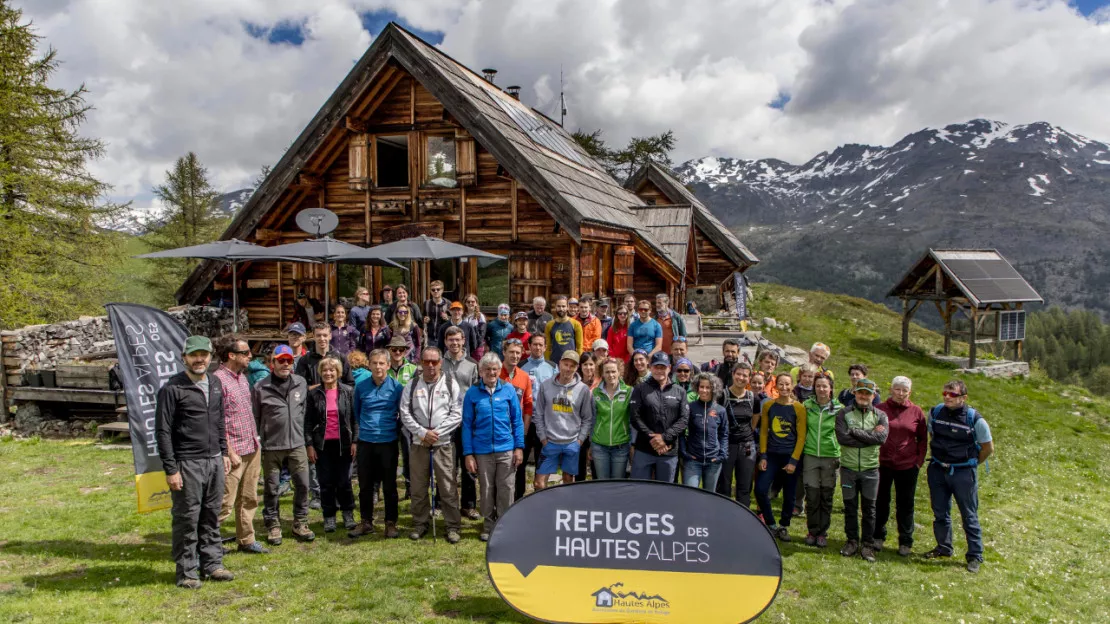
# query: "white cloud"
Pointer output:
{"type": "Point", "coordinates": [171, 77]}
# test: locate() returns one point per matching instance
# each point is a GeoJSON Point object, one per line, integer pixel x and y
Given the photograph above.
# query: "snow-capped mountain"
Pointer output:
{"type": "Point", "coordinates": [853, 220]}
{"type": "Point", "coordinates": [133, 221]}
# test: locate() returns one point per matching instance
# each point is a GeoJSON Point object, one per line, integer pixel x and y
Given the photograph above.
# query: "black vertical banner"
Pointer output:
{"type": "Point", "coordinates": [148, 344]}
{"type": "Point", "coordinates": [740, 291]}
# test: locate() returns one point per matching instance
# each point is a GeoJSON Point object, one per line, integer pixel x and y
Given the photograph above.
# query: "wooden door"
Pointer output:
{"type": "Point", "coordinates": [624, 257]}
{"type": "Point", "coordinates": [529, 277]}
{"type": "Point", "coordinates": [587, 270]}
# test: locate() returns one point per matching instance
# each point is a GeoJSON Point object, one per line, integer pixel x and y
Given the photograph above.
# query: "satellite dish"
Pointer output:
{"type": "Point", "coordinates": [317, 221]}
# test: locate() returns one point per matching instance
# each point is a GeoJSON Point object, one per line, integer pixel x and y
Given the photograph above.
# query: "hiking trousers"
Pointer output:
{"type": "Point", "coordinates": [241, 495]}
{"type": "Point", "coordinates": [297, 461]}
{"type": "Point", "coordinates": [740, 464]}
{"type": "Point", "coordinates": [195, 512]}
{"type": "Point", "coordinates": [963, 485]}
{"type": "Point", "coordinates": [860, 489]}
{"type": "Point", "coordinates": [904, 483]}
{"type": "Point", "coordinates": [333, 465]}
{"type": "Point", "coordinates": [495, 486]}
{"type": "Point", "coordinates": [377, 463]}
{"type": "Point", "coordinates": [819, 479]}
{"type": "Point", "coordinates": [531, 445]}
{"type": "Point", "coordinates": [776, 463]}
{"type": "Point", "coordinates": [447, 494]}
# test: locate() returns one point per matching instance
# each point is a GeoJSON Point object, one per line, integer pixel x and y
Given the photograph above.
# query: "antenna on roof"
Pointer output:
{"type": "Point", "coordinates": [562, 100]}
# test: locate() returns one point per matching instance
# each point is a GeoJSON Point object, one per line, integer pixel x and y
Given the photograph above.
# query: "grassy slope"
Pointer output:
{"type": "Point", "coordinates": [72, 549]}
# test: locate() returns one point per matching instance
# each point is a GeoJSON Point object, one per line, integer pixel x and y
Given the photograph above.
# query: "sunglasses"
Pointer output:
{"type": "Point", "coordinates": [402, 313]}
{"type": "Point", "coordinates": [247, 352]}
{"type": "Point", "coordinates": [437, 290]}
{"type": "Point", "coordinates": [431, 362]}
{"type": "Point", "coordinates": [683, 370]}
{"type": "Point", "coordinates": [951, 395]}
{"type": "Point", "coordinates": [398, 349]}
{"type": "Point", "coordinates": [678, 339]}
{"type": "Point", "coordinates": [642, 310]}
{"type": "Point", "coordinates": [512, 341]}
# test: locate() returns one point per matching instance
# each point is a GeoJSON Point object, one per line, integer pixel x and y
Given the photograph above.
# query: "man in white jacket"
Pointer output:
{"type": "Point", "coordinates": [431, 410]}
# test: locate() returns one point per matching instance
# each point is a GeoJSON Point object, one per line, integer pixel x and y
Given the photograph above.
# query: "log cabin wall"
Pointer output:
{"type": "Point", "coordinates": [651, 194]}
{"type": "Point", "coordinates": [713, 266]}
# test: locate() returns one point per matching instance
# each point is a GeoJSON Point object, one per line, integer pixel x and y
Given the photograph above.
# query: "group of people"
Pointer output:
{"type": "Point", "coordinates": [616, 396]}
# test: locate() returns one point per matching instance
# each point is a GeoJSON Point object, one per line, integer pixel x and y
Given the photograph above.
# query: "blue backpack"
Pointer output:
{"type": "Point", "coordinates": [972, 417]}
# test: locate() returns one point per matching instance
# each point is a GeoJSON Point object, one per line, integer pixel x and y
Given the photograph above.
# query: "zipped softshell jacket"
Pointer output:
{"type": "Point", "coordinates": [491, 420]}
{"type": "Point", "coordinates": [185, 426]}
{"type": "Point", "coordinates": [376, 409]}
{"type": "Point", "coordinates": [316, 417]}
{"type": "Point", "coordinates": [821, 428]}
{"type": "Point", "coordinates": [706, 438]}
{"type": "Point", "coordinates": [563, 413]}
{"type": "Point", "coordinates": [655, 409]}
{"type": "Point", "coordinates": [855, 430]}
{"type": "Point", "coordinates": [307, 368]}
{"type": "Point", "coordinates": [611, 426]}
{"type": "Point", "coordinates": [280, 407]}
{"type": "Point", "coordinates": [436, 406]}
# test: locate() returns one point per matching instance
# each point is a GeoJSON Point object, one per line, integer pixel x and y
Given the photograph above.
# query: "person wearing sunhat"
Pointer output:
{"type": "Point", "coordinates": [861, 429]}
{"type": "Point", "coordinates": [498, 329]}
{"type": "Point", "coordinates": [456, 320]}
{"type": "Point", "coordinates": [659, 413]}
{"type": "Point", "coordinates": [190, 435]}
{"type": "Point", "coordinates": [600, 349]}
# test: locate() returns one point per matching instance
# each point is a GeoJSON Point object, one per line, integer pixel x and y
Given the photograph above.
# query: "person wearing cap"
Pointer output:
{"type": "Point", "coordinates": [856, 372]}
{"type": "Point", "coordinates": [900, 460]}
{"type": "Point", "coordinates": [670, 321]}
{"type": "Point", "coordinates": [361, 308]}
{"type": "Point", "coordinates": [861, 429]}
{"type": "Point", "coordinates": [498, 329]}
{"type": "Point", "coordinates": [604, 315]}
{"type": "Point", "coordinates": [435, 308]}
{"type": "Point", "coordinates": [538, 316]}
{"type": "Point", "coordinates": [572, 307]}
{"type": "Point", "coordinates": [470, 338]}
{"type": "Point", "coordinates": [680, 349]}
{"type": "Point", "coordinates": [241, 484]}
{"type": "Point", "coordinates": [295, 338]}
{"type": "Point", "coordinates": [493, 439]}
{"type": "Point", "coordinates": [591, 325]}
{"type": "Point", "coordinates": [563, 332]}
{"type": "Point", "coordinates": [961, 440]}
{"type": "Point", "coordinates": [564, 415]}
{"type": "Point", "coordinates": [600, 349]}
{"type": "Point", "coordinates": [385, 298]}
{"type": "Point", "coordinates": [659, 413]}
{"type": "Point", "coordinates": [645, 333]}
{"type": "Point", "coordinates": [280, 406]}
{"type": "Point", "coordinates": [402, 370]}
{"type": "Point", "coordinates": [376, 404]}
{"type": "Point", "coordinates": [684, 378]}
{"type": "Point", "coordinates": [520, 329]}
{"type": "Point", "coordinates": [818, 353]}
{"type": "Point", "coordinates": [465, 371]}
{"type": "Point", "coordinates": [539, 370]}
{"type": "Point", "coordinates": [192, 444]}
{"type": "Point", "coordinates": [306, 310]}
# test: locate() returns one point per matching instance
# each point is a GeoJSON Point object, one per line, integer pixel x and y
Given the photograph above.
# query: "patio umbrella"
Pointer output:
{"type": "Point", "coordinates": [421, 248]}
{"type": "Point", "coordinates": [328, 250]}
{"type": "Point", "coordinates": [232, 251]}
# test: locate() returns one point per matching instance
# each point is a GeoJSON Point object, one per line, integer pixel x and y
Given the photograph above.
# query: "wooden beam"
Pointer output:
{"type": "Point", "coordinates": [908, 311]}
{"type": "Point", "coordinates": [281, 299]}
{"type": "Point", "coordinates": [355, 124]}
{"type": "Point", "coordinates": [462, 214]}
{"type": "Point", "coordinates": [412, 101]}
{"type": "Point", "coordinates": [513, 206]}
{"type": "Point", "coordinates": [574, 269]}
{"type": "Point", "coordinates": [924, 278]}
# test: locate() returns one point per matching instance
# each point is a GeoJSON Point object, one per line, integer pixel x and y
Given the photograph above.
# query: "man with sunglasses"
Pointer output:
{"type": "Point", "coordinates": [402, 371]}
{"type": "Point", "coordinates": [645, 333]}
{"type": "Point", "coordinates": [435, 309]}
{"type": "Point", "coordinates": [961, 440]}
{"type": "Point", "coordinates": [465, 371]}
{"type": "Point", "coordinates": [680, 349]}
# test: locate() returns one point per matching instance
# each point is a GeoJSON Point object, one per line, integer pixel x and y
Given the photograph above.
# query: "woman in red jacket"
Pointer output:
{"type": "Point", "coordinates": [900, 459]}
{"type": "Point", "coordinates": [617, 335]}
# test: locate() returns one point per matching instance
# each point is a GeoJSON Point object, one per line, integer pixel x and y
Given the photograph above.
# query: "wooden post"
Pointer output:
{"type": "Point", "coordinates": [905, 324]}
{"type": "Point", "coordinates": [573, 268]}
{"type": "Point", "coordinates": [972, 347]}
{"type": "Point", "coordinates": [947, 328]}
{"type": "Point", "coordinates": [281, 301]}
{"type": "Point", "coordinates": [1018, 346]}
{"type": "Point", "coordinates": [462, 214]}
{"type": "Point", "coordinates": [512, 206]}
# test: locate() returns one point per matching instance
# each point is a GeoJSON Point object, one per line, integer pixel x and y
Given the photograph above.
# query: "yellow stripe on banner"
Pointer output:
{"type": "Point", "coordinates": [152, 491]}
{"type": "Point", "coordinates": [604, 595]}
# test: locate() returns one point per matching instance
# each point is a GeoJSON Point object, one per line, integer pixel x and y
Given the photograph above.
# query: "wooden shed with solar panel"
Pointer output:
{"type": "Point", "coordinates": [980, 284]}
{"type": "Point", "coordinates": [413, 142]}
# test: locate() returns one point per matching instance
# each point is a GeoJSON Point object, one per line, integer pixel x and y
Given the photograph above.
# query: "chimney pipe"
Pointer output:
{"type": "Point", "coordinates": [513, 91]}
{"type": "Point", "coordinates": [489, 73]}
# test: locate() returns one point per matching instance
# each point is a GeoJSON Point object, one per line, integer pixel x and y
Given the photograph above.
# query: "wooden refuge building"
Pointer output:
{"type": "Point", "coordinates": [980, 283]}
{"type": "Point", "coordinates": [412, 142]}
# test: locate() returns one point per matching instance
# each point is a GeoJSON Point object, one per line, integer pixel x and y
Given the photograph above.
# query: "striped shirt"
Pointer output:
{"type": "Point", "coordinates": [242, 436]}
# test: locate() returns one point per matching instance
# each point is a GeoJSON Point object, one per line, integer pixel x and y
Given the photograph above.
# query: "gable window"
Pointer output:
{"type": "Point", "coordinates": [439, 162]}
{"type": "Point", "coordinates": [392, 161]}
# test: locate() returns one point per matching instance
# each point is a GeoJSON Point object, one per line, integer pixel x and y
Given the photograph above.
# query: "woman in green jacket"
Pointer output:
{"type": "Point", "coordinates": [609, 442]}
{"type": "Point", "coordinates": [822, 459]}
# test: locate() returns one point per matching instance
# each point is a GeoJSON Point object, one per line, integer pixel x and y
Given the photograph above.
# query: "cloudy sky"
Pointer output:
{"type": "Point", "coordinates": [236, 80]}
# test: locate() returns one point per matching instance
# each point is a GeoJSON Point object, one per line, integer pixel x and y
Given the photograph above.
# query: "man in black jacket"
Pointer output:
{"type": "Point", "coordinates": [659, 414]}
{"type": "Point", "coordinates": [307, 364]}
{"type": "Point", "coordinates": [189, 432]}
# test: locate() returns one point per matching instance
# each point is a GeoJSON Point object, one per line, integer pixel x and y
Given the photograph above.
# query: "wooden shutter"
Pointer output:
{"type": "Point", "coordinates": [358, 159]}
{"type": "Point", "coordinates": [466, 159]}
{"type": "Point", "coordinates": [529, 277]}
{"type": "Point", "coordinates": [624, 257]}
{"type": "Point", "coordinates": [587, 270]}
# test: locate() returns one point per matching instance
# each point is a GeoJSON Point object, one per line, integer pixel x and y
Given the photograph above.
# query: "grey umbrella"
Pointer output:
{"type": "Point", "coordinates": [232, 251]}
{"type": "Point", "coordinates": [328, 250]}
{"type": "Point", "coordinates": [420, 248]}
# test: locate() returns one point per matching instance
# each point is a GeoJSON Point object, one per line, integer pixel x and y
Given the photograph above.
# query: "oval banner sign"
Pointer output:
{"type": "Point", "coordinates": [633, 551]}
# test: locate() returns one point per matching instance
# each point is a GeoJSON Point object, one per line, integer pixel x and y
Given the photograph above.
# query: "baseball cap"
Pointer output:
{"type": "Point", "coordinates": [295, 328]}
{"type": "Point", "coordinates": [603, 303]}
{"type": "Point", "coordinates": [521, 315]}
{"type": "Point", "coordinates": [456, 305]}
{"type": "Point", "coordinates": [660, 359]}
{"type": "Point", "coordinates": [197, 343]}
{"type": "Point", "coordinates": [283, 351]}
{"type": "Point", "coordinates": [503, 309]}
{"type": "Point", "coordinates": [600, 344]}
{"type": "Point", "coordinates": [572, 301]}
{"type": "Point", "coordinates": [570, 354]}
{"type": "Point", "coordinates": [865, 385]}
{"type": "Point", "coordinates": [301, 295]}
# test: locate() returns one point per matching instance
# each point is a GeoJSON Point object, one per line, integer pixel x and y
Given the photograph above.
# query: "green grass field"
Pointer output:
{"type": "Point", "coordinates": [72, 549]}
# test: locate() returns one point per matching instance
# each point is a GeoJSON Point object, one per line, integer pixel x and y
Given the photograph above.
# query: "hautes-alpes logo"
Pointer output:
{"type": "Point", "coordinates": [612, 598]}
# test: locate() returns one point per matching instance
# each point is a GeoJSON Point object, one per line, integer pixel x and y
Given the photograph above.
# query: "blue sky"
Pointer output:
{"type": "Point", "coordinates": [373, 22]}
{"type": "Point", "coordinates": [1086, 7]}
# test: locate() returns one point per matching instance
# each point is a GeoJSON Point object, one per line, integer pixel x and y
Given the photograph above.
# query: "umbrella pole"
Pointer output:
{"type": "Point", "coordinates": [235, 297]}
{"type": "Point", "coordinates": [327, 300]}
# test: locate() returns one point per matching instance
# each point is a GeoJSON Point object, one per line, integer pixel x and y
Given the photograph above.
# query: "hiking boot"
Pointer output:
{"type": "Point", "coordinates": [783, 534]}
{"type": "Point", "coordinates": [301, 532]}
{"type": "Point", "coordinates": [936, 553]}
{"type": "Point", "coordinates": [254, 548]}
{"type": "Point", "coordinates": [418, 534]}
{"type": "Point", "coordinates": [364, 528]}
{"type": "Point", "coordinates": [453, 536]}
{"type": "Point", "coordinates": [973, 566]}
{"type": "Point", "coordinates": [314, 503]}
{"type": "Point", "coordinates": [391, 531]}
{"type": "Point", "coordinates": [349, 520]}
{"type": "Point", "coordinates": [877, 545]}
{"type": "Point", "coordinates": [472, 514]}
{"type": "Point", "coordinates": [329, 525]}
{"type": "Point", "coordinates": [868, 554]}
{"type": "Point", "coordinates": [273, 535]}
{"type": "Point", "coordinates": [798, 512]}
{"type": "Point", "coordinates": [850, 548]}
{"type": "Point", "coordinates": [904, 551]}
{"type": "Point", "coordinates": [189, 583]}
{"type": "Point", "coordinates": [811, 539]}
{"type": "Point", "coordinates": [483, 536]}
{"type": "Point", "coordinates": [822, 541]}
{"type": "Point", "coordinates": [219, 574]}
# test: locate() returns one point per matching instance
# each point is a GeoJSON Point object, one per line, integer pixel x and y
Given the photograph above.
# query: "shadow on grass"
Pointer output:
{"type": "Point", "coordinates": [153, 550]}
{"type": "Point", "coordinates": [469, 608]}
{"type": "Point", "coordinates": [96, 578]}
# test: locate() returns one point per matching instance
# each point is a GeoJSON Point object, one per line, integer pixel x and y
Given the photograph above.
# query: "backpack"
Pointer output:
{"type": "Point", "coordinates": [452, 389]}
{"type": "Point", "coordinates": [971, 418]}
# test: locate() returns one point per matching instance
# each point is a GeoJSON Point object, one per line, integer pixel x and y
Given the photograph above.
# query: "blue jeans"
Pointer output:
{"type": "Point", "coordinates": [609, 461]}
{"type": "Point", "coordinates": [775, 463]}
{"type": "Point", "coordinates": [963, 485]}
{"type": "Point", "coordinates": [665, 467]}
{"type": "Point", "coordinates": [701, 474]}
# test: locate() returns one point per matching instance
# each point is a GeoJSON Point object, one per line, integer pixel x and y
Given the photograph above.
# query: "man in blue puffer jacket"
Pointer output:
{"type": "Point", "coordinates": [492, 439]}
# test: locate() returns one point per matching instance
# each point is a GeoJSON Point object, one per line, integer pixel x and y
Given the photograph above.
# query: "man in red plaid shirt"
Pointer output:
{"type": "Point", "coordinates": [241, 484]}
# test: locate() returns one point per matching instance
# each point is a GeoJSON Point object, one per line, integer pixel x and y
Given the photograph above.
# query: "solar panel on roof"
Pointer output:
{"type": "Point", "coordinates": [998, 269]}
{"type": "Point", "coordinates": [541, 131]}
{"type": "Point", "coordinates": [966, 269]}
